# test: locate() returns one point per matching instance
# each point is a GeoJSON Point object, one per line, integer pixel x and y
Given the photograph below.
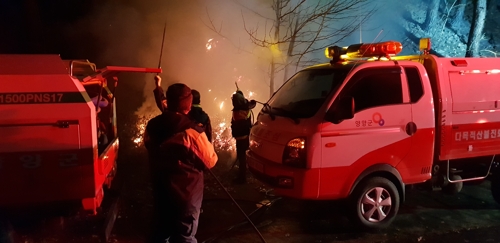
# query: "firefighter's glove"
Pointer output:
{"type": "Point", "coordinates": [158, 80]}
{"type": "Point", "coordinates": [252, 104]}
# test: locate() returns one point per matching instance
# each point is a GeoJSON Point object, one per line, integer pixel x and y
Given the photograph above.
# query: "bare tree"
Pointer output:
{"type": "Point", "coordinates": [300, 28]}
{"type": "Point", "coordinates": [458, 19]}
{"type": "Point", "coordinates": [476, 28]}
{"type": "Point", "coordinates": [432, 14]}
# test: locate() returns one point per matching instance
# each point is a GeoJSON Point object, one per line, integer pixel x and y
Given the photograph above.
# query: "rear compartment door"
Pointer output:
{"type": "Point", "coordinates": [35, 160]}
{"type": "Point", "coordinates": [63, 135]}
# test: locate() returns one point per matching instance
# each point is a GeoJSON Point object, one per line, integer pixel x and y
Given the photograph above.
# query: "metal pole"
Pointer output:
{"type": "Point", "coordinates": [162, 42]}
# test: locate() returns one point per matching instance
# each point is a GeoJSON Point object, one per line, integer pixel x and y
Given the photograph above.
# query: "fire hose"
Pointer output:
{"type": "Point", "coordinates": [238, 206]}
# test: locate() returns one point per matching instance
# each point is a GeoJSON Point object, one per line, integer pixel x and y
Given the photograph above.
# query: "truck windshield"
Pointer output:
{"type": "Point", "coordinates": [303, 94]}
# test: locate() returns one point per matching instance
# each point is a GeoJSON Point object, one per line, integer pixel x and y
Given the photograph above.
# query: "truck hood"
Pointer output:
{"type": "Point", "coordinates": [269, 137]}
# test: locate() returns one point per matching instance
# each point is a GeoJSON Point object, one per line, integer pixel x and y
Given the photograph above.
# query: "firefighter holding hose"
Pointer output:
{"type": "Point", "coordinates": [241, 122]}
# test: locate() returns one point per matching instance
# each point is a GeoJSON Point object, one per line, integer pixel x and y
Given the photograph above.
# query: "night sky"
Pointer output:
{"type": "Point", "coordinates": [48, 27]}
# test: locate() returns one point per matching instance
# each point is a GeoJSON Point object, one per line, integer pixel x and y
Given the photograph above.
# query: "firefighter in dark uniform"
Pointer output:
{"type": "Point", "coordinates": [179, 152]}
{"type": "Point", "coordinates": [241, 122]}
{"type": "Point", "coordinates": [199, 115]}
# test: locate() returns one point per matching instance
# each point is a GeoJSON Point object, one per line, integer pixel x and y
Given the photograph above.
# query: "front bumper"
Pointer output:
{"type": "Point", "coordinates": [287, 181]}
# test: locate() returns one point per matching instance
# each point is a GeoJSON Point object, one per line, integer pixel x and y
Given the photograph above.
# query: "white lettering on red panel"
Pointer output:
{"type": "Point", "coordinates": [31, 161]}
{"type": "Point", "coordinates": [477, 135]}
{"type": "Point", "coordinates": [67, 160]}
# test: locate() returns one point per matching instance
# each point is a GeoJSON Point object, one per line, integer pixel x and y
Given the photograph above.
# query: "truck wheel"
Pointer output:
{"type": "Point", "coordinates": [453, 188]}
{"type": "Point", "coordinates": [495, 187]}
{"type": "Point", "coordinates": [375, 203]}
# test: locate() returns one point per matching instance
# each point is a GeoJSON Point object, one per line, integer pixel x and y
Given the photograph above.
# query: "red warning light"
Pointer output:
{"type": "Point", "coordinates": [382, 49]}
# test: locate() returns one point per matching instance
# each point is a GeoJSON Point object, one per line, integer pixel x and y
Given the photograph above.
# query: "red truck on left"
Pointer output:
{"type": "Point", "coordinates": [58, 133]}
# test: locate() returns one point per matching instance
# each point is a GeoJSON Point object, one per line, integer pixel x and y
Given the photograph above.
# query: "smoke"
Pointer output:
{"type": "Point", "coordinates": [129, 33]}
{"type": "Point", "coordinates": [197, 56]}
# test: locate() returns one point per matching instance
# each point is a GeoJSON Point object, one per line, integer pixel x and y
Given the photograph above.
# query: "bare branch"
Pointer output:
{"type": "Point", "coordinates": [301, 28]}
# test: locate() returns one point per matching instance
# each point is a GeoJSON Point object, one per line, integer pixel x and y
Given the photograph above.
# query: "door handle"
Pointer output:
{"type": "Point", "coordinates": [411, 128]}
{"type": "Point", "coordinates": [65, 124]}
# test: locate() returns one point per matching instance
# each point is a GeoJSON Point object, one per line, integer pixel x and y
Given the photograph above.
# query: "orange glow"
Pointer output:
{"type": "Point", "coordinates": [210, 44]}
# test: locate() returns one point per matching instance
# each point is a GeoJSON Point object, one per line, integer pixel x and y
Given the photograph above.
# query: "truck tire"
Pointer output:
{"type": "Point", "coordinates": [495, 187]}
{"type": "Point", "coordinates": [453, 188]}
{"type": "Point", "coordinates": [374, 203]}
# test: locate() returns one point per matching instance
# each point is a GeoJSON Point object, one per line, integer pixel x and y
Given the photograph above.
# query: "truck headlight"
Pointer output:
{"type": "Point", "coordinates": [295, 153]}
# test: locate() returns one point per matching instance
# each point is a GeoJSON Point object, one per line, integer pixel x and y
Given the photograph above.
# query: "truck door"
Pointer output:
{"type": "Point", "coordinates": [376, 134]}
{"type": "Point", "coordinates": [416, 166]}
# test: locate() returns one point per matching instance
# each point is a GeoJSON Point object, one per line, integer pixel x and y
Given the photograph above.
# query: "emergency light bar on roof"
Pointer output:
{"type": "Point", "coordinates": [381, 49]}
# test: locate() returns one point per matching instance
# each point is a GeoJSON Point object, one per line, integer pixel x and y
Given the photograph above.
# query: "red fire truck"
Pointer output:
{"type": "Point", "coordinates": [368, 123]}
{"type": "Point", "coordinates": [58, 135]}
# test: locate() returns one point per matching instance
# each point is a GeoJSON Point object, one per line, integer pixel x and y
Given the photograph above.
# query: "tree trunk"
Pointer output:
{"type": "Point", "coordinates": [271, 78]}
{"type": "Point", "coordinates": [277, 24]}
{"type": "Point", "coordinates": [291, 47]}
{"type": "Point", "coordinates": [458, 19]}
{"type": "Point", "coordinates": [432, 14]}
{"type": "Point", "coordinates": [476, 28]}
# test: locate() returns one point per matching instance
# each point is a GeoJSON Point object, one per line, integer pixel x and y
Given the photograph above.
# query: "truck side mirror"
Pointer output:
{"type": "Point", "coordinates": [344, 109]}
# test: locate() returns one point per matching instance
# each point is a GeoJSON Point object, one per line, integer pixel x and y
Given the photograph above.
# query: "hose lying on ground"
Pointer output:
{"type": "Point", "coordinates": [241, 210]}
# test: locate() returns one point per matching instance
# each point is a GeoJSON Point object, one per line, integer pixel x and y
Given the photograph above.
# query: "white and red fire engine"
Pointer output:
{"type": "Point", "coordinates": [368, 123]}
{"type": "Point", "coordinates": [58, 134]}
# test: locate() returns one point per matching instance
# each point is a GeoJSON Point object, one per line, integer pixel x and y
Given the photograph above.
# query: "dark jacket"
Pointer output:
{"type": "Point", "coordinates": [173, 172]}
{"type": "Point", "coordinates": [173, 139]}
{"type": "Point", "coordinates": [241, 121]}
{"type": "Point", "coordinates": [201, 117]}
{"type": "Point", "coordinates": [160, 99]}
{"type": "Point", "coordinates": [161, 128]}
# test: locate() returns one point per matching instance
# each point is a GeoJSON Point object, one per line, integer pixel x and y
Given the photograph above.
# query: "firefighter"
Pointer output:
{"type": "Point", "coordinates": [241, 122]}
{"type": "Point", "coordinates": [197, 113]}
{"type": "Point", "coordinates": [179, 152]}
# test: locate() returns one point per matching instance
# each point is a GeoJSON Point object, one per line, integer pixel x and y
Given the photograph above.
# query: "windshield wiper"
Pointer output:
{"type": "Point", "coordinates": [268, 110]}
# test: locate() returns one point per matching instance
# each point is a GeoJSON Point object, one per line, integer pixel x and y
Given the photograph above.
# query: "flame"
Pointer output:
{"type": "Point", "coordinates": [221, 105]}
{"type": "Point", "coordinates": [221, 134]}
{"type": "Point", "coordinates": [222, 138]}
{"type": "Point", "coordinates": [140, 127]}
